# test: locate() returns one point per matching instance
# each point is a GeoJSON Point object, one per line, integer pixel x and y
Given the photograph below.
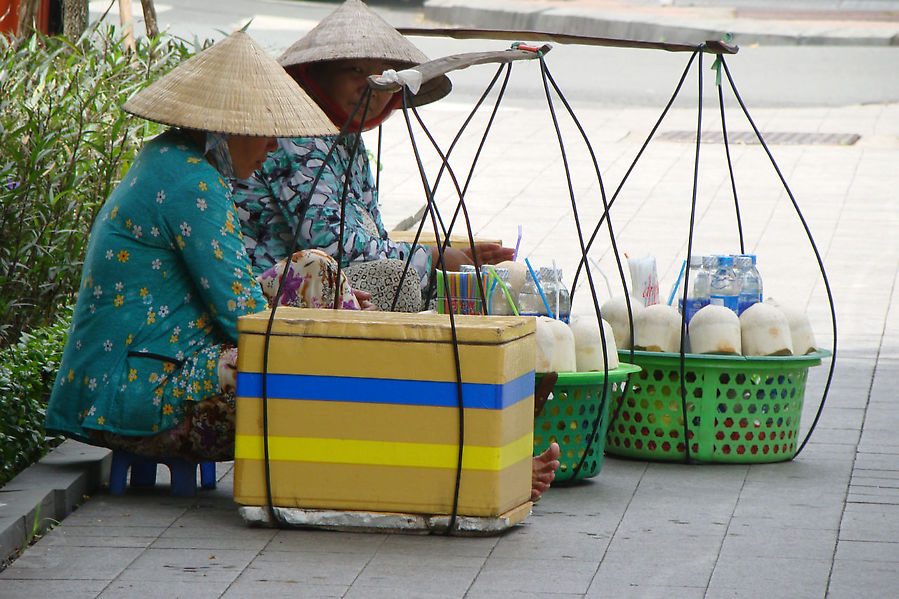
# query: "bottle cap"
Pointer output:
{"type": "Point", "coordinates": [725, 261]}
{"type": "Point", "coordinates": [710, 262]}
{"type": "Point", "coordinates": [743, 261]}
{"type": "Point", "coordinates": [696, 260]}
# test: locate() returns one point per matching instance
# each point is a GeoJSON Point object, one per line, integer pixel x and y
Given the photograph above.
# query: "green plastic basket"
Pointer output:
{"type": "Point", "coordinates": [569, 415]}
{"type": "Point", "coordinates": [739, 409]}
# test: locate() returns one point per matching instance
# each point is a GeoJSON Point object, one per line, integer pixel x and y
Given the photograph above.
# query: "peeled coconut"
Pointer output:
{"type": "Point", "coordinates": [614, 311]}
{"type": "Point", "coordinates": [800, 329]}
{"type": "Point", "coordinates": [657, 328]}
{"type": "Point", "coordinates": [555, 346]}
{"type": "Point", "coordinates": [518, 273]}
{"type": "Point", "coordinates": [546, 345]}
{"type": "Point", "coordinates": [715, 330]}
{"type": "Point", "coordinates": [765, 331]}
{"type": "Point", "coordinates": [588, 344]}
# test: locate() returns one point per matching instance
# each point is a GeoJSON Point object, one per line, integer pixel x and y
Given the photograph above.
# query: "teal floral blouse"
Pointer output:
{"type": "Point", "coordinates": [165, 277]}
{"type": "Point", "coordinates": [268, 205]}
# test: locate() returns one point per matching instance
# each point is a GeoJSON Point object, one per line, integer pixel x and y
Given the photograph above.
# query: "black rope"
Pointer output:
{"type": "Point", "coordinates": [301, 211]}
{"type": "Point", "coordinates": [607, 214]}
{"type": "Point", "coordinates": [366, 98]}
{"type": "Point", "coordinates": [730, 171]}
{"type": "Point", "coordinates": [461, 204]}
{"type": "Point", "coordinates": [625, 177]}
{"type": "Point", "coordinates": [445, 163]}
{"type": "Point", "coordinates": [833, 315]}
{"type": "Point", "coordinates": [682, 358]}
{"type": "Point", "coordinates": [432, 210]}
{"type": "Point", "coordinates": [547, 78]}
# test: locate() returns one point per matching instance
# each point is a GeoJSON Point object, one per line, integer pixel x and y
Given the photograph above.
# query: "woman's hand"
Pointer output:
{"type": "Point", "coordinates": [488, 253]}
{"type": "Point", "coordinates": [364, 297]}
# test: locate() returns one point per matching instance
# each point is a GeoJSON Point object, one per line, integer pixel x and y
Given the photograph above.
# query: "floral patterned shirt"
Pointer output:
{"type": "Point", "coordinates": [165, 277]}
{"type": "Point", "coordinates": [268, 205]}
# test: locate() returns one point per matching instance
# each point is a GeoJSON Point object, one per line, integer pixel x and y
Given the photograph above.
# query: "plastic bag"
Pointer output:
{"type": "Point", "coordinates": [644, 279]}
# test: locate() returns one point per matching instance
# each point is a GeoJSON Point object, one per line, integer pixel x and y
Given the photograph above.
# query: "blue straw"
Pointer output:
{"type": "Point", "coordinates": [677, 283]}
{"type": "Point", "coordinates": [539, 288]}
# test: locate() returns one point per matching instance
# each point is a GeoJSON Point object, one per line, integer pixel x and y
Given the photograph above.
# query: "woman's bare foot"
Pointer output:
{"type": "Point", "coordinates": [545, 466]}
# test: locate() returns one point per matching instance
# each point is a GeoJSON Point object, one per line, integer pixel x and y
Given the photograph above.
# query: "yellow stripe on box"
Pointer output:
{"type": "Point", "coordinates": [383, 453]}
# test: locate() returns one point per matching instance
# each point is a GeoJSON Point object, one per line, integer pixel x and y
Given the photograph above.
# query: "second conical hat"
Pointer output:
{"type": "Point", "coordinates": [353, 30]}
{"type": "Point", "coordinates": [232, 87]}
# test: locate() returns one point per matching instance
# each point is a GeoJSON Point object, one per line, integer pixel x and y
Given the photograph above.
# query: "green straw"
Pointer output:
{"type": "Point", "coordinates": [539, 288]}
{"type": "Point", "coordinates": [505, 289]}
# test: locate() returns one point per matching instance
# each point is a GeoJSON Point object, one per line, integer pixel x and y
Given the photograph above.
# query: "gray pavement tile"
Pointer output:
{"type": "Point", "coordinates": [841, 418]}
{"type": "Point", "coordinates": [749, 538]}
{"type": "Point", "coordinates": [524, 575]}
{"type": "Point", "coordinates": [875, 461]}
{"type": "Point", "coordinates": [869, 551]}
{"type": "Point", "coordinates": [187, 565]}
{"type": "Point", "coordinates": [284, 590]}
{"type": "Point", "coordinates": [41, 589]}
{"type": "Point", "coordinates": [852, 579]}
{"type": "Point", "coordinates": [678, 569]}
{"type": "Point", "coordinates": [550, 543]}
{"type": "Point", "coordinates": [304, 568]}
{"type": "Point", "coordinates": [772, 577]}
{"type": "Point", "coordinates": [870, 522]}
{"type": "Point", "coordinates": [325, 541]}
{"type": "Point", "coordinates": [451, 575]}
{"type": "Point", "coordinates": [442, 547]}
{"type": "Point", "coordinates": [61, 563]}
{"type": "Point", "coordinates": [362, 591]}
{"type": "Point", "coordinates": [149, 511]}
{"type": "Point", "coordinates": [109, 536]}
{"type": "Point", "coordinates": [658, 545]}
{"type": "Point", "coordinates": [171, 589]}
{"type": "Point", "coordinates": [643, 591]}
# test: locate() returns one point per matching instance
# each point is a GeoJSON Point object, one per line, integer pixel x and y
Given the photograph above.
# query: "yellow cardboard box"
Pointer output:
{"type": "Point", "coordinates": [363, 411]}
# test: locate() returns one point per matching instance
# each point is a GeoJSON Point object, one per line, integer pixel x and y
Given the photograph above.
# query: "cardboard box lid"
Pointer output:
{"type": "Point", "coordinates": [399, 326]}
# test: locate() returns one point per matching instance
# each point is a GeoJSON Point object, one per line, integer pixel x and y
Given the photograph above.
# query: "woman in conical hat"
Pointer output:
{"type": "Point", "coordinates": [149, 362]}
{"type": "Point", "coordinates": [332, 63]}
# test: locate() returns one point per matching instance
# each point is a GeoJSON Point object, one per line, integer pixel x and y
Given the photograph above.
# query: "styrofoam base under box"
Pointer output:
{"type": "Point", "coordinates": [354, 521]}
{"type": "Point", "coordinates": [362, 412]}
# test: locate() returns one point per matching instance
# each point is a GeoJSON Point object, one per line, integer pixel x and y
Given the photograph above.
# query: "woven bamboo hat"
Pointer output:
{"type": "Point", "coordinates": [233, 87]}
{"type": "Point", "coordinates": [355, 31]}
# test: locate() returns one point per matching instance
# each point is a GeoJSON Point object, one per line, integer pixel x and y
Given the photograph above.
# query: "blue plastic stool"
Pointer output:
{"type": "Point", "coordinates": [143, 473]}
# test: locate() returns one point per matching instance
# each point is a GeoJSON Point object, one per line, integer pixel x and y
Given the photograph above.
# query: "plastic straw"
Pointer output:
{"type": "Point", "coordinates": [505, 289]}
{"type": "Point", "coordinates": [677, 283]}
{"type": "Point", "coordinates": [537, 284]}
{"type": "Point", "coordinates": [517, 244]}
{"type": "Point", "coordinates": [608, 285]}
{"type": "Point", "coordinates": [558, 284]}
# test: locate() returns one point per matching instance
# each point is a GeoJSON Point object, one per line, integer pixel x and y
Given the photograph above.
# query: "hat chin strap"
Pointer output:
{"type": "Point", "coordinates": [335, 112]}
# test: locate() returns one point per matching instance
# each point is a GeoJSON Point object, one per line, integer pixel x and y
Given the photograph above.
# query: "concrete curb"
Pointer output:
{"type": "Point", "coordinates": [47, 492]}
{"type": "Point", "coordinates": [503, 14]}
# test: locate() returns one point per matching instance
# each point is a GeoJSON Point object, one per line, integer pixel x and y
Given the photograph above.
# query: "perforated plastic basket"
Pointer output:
{"type": "Point", "coordinates": [738, 409]}
{"type": "Point", "coordinates": [568, 418]}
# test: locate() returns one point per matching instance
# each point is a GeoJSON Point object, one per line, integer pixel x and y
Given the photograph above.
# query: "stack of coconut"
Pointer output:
{"type": "Point", "coordinates": [764, 329]}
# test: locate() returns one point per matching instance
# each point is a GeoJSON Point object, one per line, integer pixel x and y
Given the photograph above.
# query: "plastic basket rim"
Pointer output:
{"type": "Point", "coordinates": [810, 359]}
{"type": "Point", "coordinates": [593, 377]}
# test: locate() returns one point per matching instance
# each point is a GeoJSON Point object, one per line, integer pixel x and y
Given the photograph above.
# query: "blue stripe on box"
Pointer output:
{"type": "Point", "coordinates": [389, 391]}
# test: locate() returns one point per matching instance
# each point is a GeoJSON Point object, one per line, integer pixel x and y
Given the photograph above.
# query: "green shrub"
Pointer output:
{"type": "Point", "coordinates": [64, 145]}
{"type": "Point", "coordinates": [27, 370]}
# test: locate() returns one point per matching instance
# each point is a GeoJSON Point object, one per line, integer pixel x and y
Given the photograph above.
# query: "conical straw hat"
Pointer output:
{"type": "Point", "coordinates": [233, 87]}
{"type": "Point", "coordinates": [355, 31]}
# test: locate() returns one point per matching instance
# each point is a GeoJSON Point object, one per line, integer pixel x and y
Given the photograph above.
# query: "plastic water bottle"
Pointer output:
{"type": "Point", "coordinates": [698, 292]}
{"type": "Point", "coordinates": [724, 289]}
{"type": "Point", "coordinates": [561, 300]}
{"type": "Point", "coordinates": [530, 303]}
{"type": "Point", "coordinates": [499, 305]}
{"type": "Point", "coordinates": [750, 281]}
